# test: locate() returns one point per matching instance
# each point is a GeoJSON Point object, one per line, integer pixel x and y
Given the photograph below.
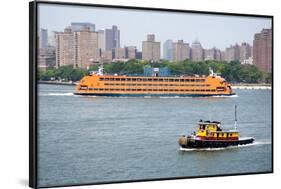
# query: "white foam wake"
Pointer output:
{"type": "Point", "coordinates": [220, 96]}
{"type": "Point", "coordinates": [57, 94]}
{"type": "Point", "coordinates": [226, 148]}
{"type": "Point", "coordinates": [215, 96]}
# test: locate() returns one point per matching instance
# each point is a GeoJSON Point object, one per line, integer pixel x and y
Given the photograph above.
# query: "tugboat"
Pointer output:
{"type": "Point", "coordinates": [211, 135]}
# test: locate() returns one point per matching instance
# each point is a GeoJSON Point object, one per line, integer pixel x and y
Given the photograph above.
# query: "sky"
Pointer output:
{"type": "Point", "coordinates": [219, 31]}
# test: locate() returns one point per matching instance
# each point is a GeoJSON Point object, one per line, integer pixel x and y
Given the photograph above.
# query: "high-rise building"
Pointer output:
{"type": "Point", "coordinates": [46, 58]}
{"type": "Point", "coordinates": [120, 53]}
{"type": "Point", "coordinates": [151, 37]}
{"type": "Point", "coordinates": [245, 51]}
{"type": "Point", "coordinates": [52, 38]}
{"type": "Point", "coordinates": [181, 51]}
{"type": "Point", "coordinates": [232, 53]}
{"type": "Point", "coordinates": [262, 50]}
{"type": "Point", "coordinates": [197, 51]}
{"type": "Point", "coordinates": [212, 54]}
{"type": "Point", "coordinates": [139, 55]}
{"type": "Point", "coordinates": [77, 26]}
{"type": "Point", "coordinates": [65, 48]}
{"type": "Point", "coordinates": [101, 40]}
{"type": "Point", "coordinates": [151, 49]}
{"type": "Point", "coordinates": [168, 50]}
{"type": "Point", "coordinates": [43, 42]}
{"type": "Point", "coordinates": [112, 38]}
{"type": "Point", "coordinates": [79, 49]}
{"type": "Point", "coordinates": [131, 52]}
{"type": "Point", "coordinates": [218, 55]}
{"type": "Point", "coordinates": [106, 56]}
{"type": "Point", "coordinates": [86, 47]}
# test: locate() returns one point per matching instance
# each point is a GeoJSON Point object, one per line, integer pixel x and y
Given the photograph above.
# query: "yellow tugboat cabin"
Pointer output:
{"type": "Point", "coordinates": [212, 131]}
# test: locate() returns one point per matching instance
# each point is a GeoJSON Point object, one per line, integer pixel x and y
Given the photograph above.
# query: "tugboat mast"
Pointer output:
{"type": "Point", "coordinates": [235, 123]}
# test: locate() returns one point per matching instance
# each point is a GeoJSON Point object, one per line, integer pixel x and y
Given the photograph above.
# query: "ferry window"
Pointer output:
{"type": "Point", "coordinates": [155, 79]}
{"type": "Point", "coordinates": [117, 79]}
{"type": "Point", "coordinates": [106, 79]}
{"type": "Point", "coordinates": [171, 80]}
{"type": "Point", "coordinates": [160, 79]}
{"type": "Point", "coordinates": [149, 79]}
{"type": "Point", "coordinates": [101, 79]}
{"type": "Point", "coordinates": [144, 79]}
{"type": "Point", "coordinates": [192, 80]}
{"type": "Point", "coordinates": [177, 80]}
{"type": "Point", "coordinates": [123, 79]}
{"type": "Point", "coordinates": [128, 79]}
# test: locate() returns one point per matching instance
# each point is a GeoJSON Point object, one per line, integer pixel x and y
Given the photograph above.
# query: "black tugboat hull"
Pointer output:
{"type": "Point", "coordinates": [195, 143]}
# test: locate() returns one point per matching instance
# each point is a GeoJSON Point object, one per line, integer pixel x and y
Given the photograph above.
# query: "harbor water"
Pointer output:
{"type": "Point", "coordinates": [103, 139]}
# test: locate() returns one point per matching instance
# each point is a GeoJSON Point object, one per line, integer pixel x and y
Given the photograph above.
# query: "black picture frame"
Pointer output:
{"type": "Point", "coordinates": [33, 86]}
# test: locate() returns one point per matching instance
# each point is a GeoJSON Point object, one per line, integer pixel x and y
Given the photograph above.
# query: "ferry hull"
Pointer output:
{"type": "Point", "coordinates": [153, 95]}
{"type": "Point", "coordinates": [185, 142]}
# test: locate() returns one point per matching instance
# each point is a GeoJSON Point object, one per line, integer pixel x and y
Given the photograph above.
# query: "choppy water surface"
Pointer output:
{"type": "Point", "coordinates": [102, 139]}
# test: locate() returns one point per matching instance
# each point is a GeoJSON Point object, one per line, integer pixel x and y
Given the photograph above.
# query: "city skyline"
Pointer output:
{"type": "Point", "coordinates": [219, 31]}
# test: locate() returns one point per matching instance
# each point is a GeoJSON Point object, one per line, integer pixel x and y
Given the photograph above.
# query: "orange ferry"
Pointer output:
{"type": "Point", "coordinates": [98, 84]}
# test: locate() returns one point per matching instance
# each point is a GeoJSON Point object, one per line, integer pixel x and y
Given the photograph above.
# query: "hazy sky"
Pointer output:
{"type": "Point", "coordinates": [211, 30]}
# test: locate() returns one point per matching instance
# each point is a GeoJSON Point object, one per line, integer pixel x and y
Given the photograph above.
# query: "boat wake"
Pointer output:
{"type": "Point", "coordinates": [220, 96]}
{"type": "Point", "coordinates": [215, 96]}
{"type": "Point", "coordinates": [257, 143]}
{"type": "Point", "coordinates": [57, 94]}
{"type": "Point", "coordinates": [146, 96]}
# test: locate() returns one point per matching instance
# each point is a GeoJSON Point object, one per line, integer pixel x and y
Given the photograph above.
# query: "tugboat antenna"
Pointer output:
{"type": "Point", "coordinates": [235, 123]}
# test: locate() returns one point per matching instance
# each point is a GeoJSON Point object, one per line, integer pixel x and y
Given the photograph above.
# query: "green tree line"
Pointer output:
{"type": "Point", "coordinates": [233, 72]}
